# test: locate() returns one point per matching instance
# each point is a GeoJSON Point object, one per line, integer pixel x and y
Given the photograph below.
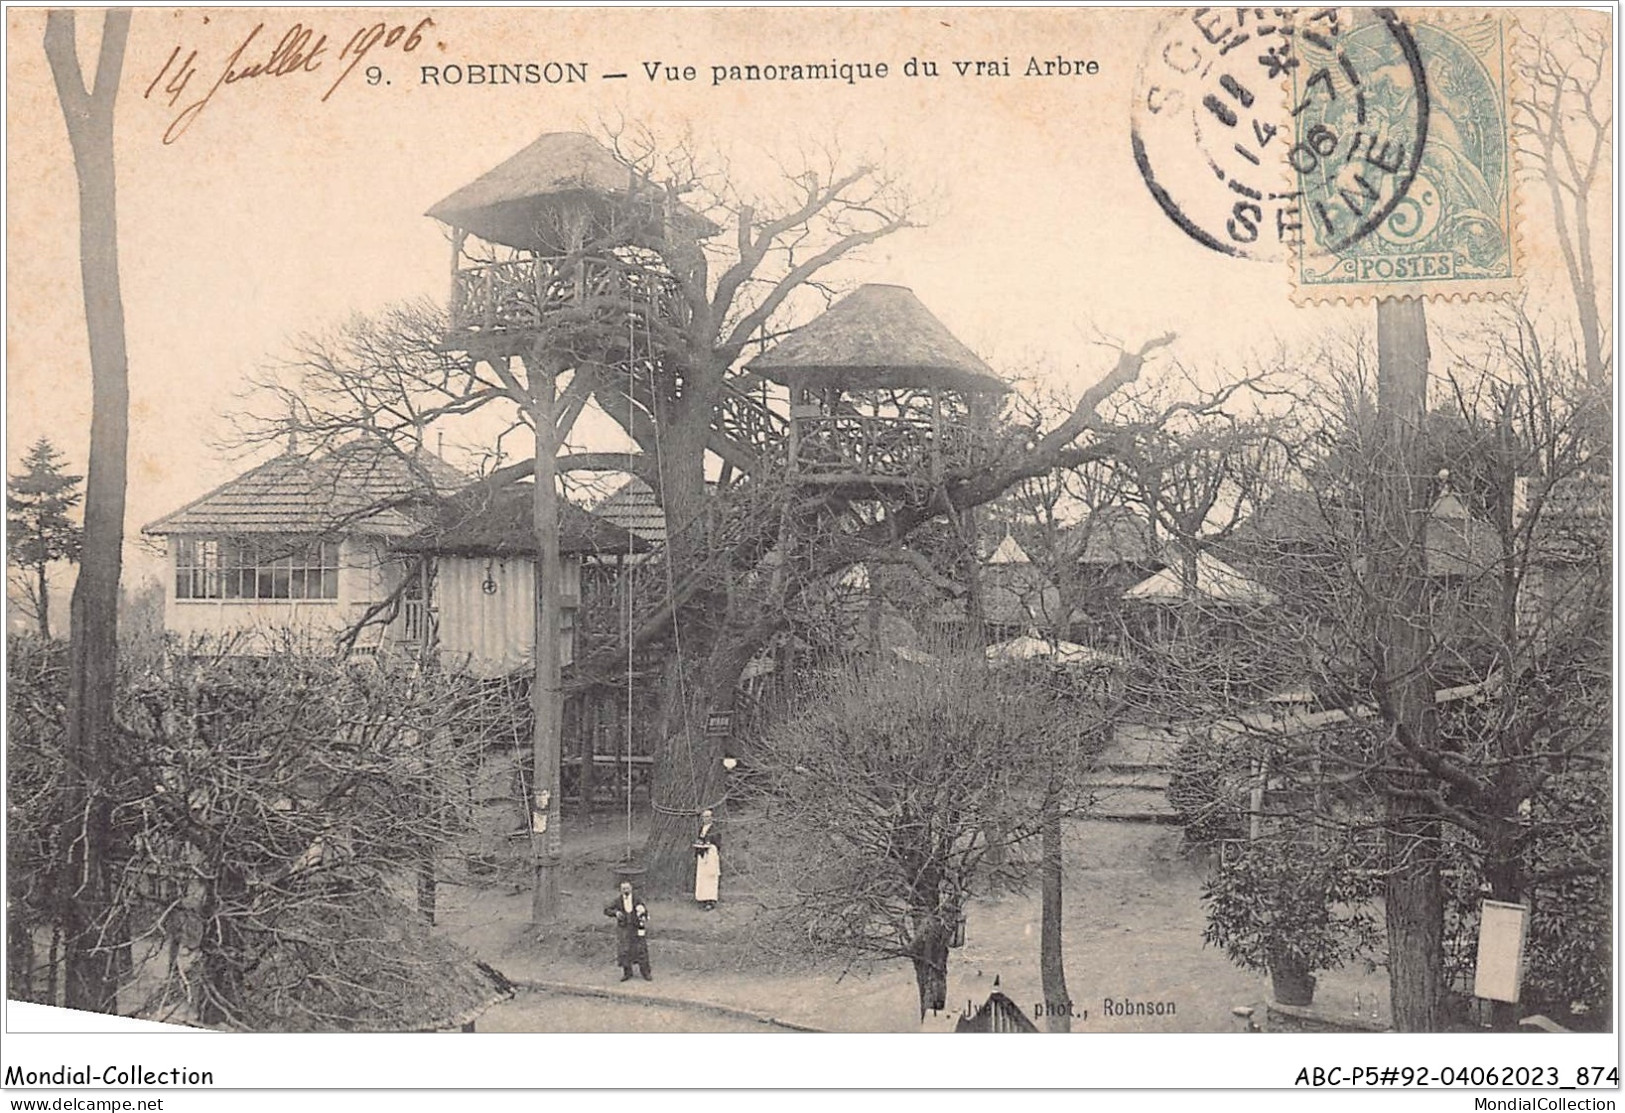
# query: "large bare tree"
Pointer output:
{"type": "Point", "coordinates": [93, 664]}
{"type": "Point", "coordinates": [681, 400]}
{"type": "Point", "coordinates": [906, 788]}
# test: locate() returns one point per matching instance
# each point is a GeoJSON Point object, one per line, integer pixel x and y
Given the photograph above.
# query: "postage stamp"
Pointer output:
{"type": "Point", "coordinates": [1403, 160]}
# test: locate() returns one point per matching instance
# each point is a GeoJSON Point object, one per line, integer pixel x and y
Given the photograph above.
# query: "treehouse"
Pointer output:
{"type": "Point", "coordinates": [567, 234]}
{"type": "Point", "coordinates": [882, 394]}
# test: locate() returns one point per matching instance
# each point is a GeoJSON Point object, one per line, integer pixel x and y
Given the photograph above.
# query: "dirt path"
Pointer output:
{"type": "Point", "coordinates": [1132, 929]}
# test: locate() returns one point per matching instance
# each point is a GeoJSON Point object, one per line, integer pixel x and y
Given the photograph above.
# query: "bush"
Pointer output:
{"type": "Point", "coordinates": [36, 723]}
{"type": "Point", "coordinates": [264, 811]}
{"type": "Point", "coordinates": [1287, 902]}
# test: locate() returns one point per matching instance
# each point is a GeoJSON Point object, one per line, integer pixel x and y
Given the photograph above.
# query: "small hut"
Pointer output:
{"type": "Point", "coordinates": [881, 393]}
{"type": "Point", "coordinates": [1215, 583]}
{"type": "Point", "coordinates": [484, 578]}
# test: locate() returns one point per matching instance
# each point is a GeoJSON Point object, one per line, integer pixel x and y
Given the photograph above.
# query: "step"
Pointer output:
{"type": "Point", "coordinates": [1109, 781]}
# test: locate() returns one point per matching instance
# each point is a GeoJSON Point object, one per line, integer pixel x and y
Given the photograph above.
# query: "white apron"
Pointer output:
{"type": "Point", "coordinates": [707, 873]}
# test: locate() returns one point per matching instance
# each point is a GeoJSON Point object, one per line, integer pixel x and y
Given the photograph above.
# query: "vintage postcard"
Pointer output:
{"type": "Point", "coordinates": [779, 521]}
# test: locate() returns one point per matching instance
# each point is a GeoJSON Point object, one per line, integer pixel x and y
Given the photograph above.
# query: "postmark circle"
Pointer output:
{"type": "Point", "coordinates": [1248, 123]}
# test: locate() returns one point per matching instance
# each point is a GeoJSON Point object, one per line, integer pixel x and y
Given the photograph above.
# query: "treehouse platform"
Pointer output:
{"type": "Point", "coordinates": [564, 236]}
{"type": "Point", "coordinates": [883, 395]}
{"type": "Point", "coordinates": [494, 304]}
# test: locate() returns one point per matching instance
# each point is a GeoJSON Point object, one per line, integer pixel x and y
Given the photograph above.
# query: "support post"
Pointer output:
{"type": "Point", "coordinates": [547, 844]}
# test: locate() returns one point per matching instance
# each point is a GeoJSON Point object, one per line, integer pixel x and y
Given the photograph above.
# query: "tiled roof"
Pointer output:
{"type": "Point", "coordinates": [1576, 518]}
{"type": "Point", "coordinates": [359, 487]}
{"type": "Point", "coordinates": [633, 507]}
{"type": "Point", "coordinates": [499, 523]}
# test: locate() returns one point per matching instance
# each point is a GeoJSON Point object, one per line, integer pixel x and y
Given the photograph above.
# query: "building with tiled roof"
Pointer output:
{"type": "Point", "coordinates": [303, 548]}
{"type": "Point", "coordinates": [299, 548]}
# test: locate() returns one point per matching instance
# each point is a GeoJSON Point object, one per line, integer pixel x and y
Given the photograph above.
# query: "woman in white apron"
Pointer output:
{"type": "Point", "coordinates": [707, 862]}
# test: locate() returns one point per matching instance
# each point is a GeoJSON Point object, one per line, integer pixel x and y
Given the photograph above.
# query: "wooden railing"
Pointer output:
{"type": "Point", "coordinates": [900, 447]}
{"type": "Point", "coordinates": [415, 621]}
{"type": "Point", "coordinates": [520, 293]}
{"type": "Point", "coordinates": [748, 421]}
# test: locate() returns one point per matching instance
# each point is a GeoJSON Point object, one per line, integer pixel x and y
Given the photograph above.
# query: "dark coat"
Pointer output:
{"type": "Point", "coordinates": [631, 931]}
{"type": "Point", "coordinates": [708, 837]}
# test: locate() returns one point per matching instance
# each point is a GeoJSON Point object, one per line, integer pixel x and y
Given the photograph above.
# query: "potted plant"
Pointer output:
{"type": "Point", "coordinates": [1291, 907]}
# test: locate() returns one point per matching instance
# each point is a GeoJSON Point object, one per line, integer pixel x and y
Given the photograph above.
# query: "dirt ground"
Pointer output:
{"type": "Point", "coordinates": [1133, 920]}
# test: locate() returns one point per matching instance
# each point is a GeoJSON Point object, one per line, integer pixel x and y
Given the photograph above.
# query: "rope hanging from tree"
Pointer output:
{"type": "Point", "coordinates": [631, 356]}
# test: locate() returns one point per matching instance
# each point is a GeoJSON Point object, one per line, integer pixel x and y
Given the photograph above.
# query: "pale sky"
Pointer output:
{"type": "Point", "coordinates": [275, 214]}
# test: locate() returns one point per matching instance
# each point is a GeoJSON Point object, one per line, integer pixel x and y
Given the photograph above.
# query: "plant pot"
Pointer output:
{"type": "Point", "coordinates": [1292, 985]}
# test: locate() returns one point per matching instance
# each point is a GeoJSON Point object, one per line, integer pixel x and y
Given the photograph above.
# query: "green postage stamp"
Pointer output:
{"type": "Point", "coordinates": [1403, 158]}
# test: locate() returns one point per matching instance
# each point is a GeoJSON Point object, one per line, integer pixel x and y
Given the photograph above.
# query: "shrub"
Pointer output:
{"type": "Point", "coordinates": [1285, 901]}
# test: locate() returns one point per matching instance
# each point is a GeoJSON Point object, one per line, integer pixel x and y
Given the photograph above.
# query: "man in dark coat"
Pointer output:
{"type": "Point", "coordinates": [631, 932]}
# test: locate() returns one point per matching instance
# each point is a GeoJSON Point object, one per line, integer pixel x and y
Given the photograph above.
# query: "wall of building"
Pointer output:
{"type": "Point", "coordinates": [259, 625]}
{"type": "Point", "coordinates": [486, 613]}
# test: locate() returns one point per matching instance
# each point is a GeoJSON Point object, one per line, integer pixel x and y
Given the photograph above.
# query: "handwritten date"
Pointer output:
{"type": "Point", "coordinates": [300, 50]}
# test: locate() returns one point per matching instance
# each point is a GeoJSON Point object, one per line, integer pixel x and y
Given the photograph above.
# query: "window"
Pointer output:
{"type": "Point", "coordinates": [255, 568]}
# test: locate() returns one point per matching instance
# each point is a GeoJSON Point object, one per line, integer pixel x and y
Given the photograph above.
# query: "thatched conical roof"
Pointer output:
{"type": "Point", "coordinates": [876, 336]}
{"type": "Point", "coordinates": [510, 204]}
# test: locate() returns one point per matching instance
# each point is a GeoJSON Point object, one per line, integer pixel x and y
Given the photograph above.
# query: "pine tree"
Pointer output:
{"type": "Point", "coordinates": [38, 529]}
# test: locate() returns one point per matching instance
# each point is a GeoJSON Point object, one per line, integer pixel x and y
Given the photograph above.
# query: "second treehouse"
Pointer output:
{"type": "Point", "coordinates": [882, 394]}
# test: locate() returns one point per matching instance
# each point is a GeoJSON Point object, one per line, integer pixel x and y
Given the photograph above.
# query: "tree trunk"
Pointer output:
{"type": "Point", "coordinates": [1415, 919]}
{"type": "Point", "coordinates": [428, 887]}
{"type": "Point", "coordinates": [1051, 961]}
{"type": "Point", "coordinates": [44, 603]}
{"type": "Point", "coordinates": [1413, 898]}
{"type": "Point", "coordinates": [702, 670]}
{"type": "Point", "coordinates": [221, 949]}
{"type": "Point", "coordinates": [20, 954]}
{"type": "Point", "coordinates": [931, 964]}
{"type": "Point", "coordinates": [688, 773]}
{"type": "Point", "coordinates": [93, 652]}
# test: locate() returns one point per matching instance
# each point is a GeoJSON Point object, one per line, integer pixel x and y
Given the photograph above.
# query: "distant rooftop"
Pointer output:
{"type": "Point", "coordinates": [633, 507]}
{"type": "Point", "coordinates": [1215, 582]}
